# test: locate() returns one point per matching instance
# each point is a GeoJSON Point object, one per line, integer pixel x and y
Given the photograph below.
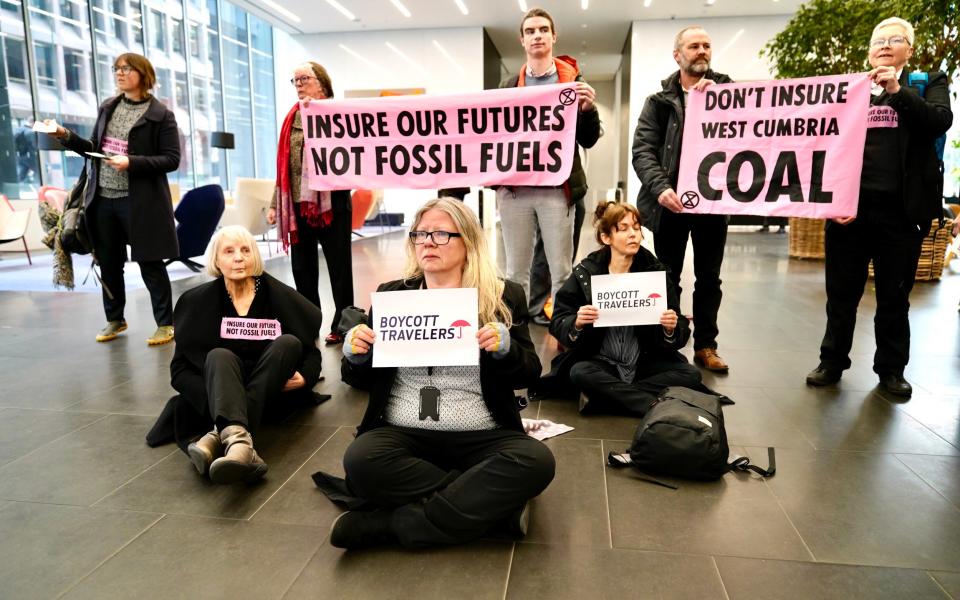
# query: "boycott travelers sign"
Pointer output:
{"type": "Point", "coordinates": [629, 298]}
{"type": "Point", "coordinates": [512, 136]}
{"type": "Point", "coordinates": [792, 147]}
{"type": "Point", "coordinates": [425, 328]}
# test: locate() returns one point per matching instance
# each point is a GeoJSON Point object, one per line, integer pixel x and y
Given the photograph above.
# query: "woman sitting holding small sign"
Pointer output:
{"type": "Point", "coordinates": [242, 340]}
{"type": "Point", "coordinates": [441, 450]}
{"type": "Point", "coordinates": [618, 368]}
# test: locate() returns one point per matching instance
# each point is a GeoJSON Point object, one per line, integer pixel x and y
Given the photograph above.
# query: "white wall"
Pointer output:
{"type": "Point", "coordinates": [599, 160]}
{"type": "Point", "coordinates": [385, 69]}
{"type": "Point", "coordinates": [736, 46]}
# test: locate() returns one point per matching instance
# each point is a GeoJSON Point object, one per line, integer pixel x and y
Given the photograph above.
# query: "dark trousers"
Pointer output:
{"type": "Point", "coordinates": [305, 262]}
{"type": "Point", "coordinates": [111, 222]}
{"type": "Point", "coordinates": [450, 487]}
{"type": "Point", "coordinates": [602, 385]}
{"type": "Point", "coordinates": [540, 279]}
{"type": "Point", "coordinates": [709, 235]}
{"type": "Point", "coordinates": [238, 392]}
{"type": "Point", "coordinates": [886, 236]}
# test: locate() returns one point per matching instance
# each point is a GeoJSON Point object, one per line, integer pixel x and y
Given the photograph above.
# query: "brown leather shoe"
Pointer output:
{"type": "Point", "coordinates": [710, 360]}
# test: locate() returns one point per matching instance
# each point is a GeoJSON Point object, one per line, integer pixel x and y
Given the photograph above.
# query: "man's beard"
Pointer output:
{"type": "Point", "coordinates": [697, 68]}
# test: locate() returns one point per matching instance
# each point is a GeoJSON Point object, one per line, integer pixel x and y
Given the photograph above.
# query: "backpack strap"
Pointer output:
{"type": "Point", "coordinates": [619, 461]}
{"type": "Point", "coordinates": [742, 464]}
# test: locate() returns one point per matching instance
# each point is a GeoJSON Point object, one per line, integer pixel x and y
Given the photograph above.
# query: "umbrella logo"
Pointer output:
{"type": "Point", "coordinates": [460, 324]}
{"type": "Point", "coordinates": [654, 295]}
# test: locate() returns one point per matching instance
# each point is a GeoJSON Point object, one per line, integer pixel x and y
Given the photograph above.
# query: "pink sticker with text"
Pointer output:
{"type": "Point", "coordinates": [882, 116]}
{"type": "Point", "coordinates": [239, 328]}
{"type": "Point", "coordinates": [114, 146]}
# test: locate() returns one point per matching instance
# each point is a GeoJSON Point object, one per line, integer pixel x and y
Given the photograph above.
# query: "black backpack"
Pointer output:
{"type": "Point", "coordinates": [72, 229]}
{"type": "Point", "coordinates": [683, 435]}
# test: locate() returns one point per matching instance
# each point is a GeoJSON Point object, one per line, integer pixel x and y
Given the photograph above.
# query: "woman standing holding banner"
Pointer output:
{"type": "Point", "coordinates": [900, 194]}
{"type": "Point", "coordinates": [307, 218]}
{"type": "Point", "coordinates": [618, 369]}
{"type": "Point", "coordinates": [449, 480]}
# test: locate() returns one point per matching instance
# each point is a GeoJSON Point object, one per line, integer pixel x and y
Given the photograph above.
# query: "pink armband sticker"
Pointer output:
{"type": "Point", "coordinates": [114, 146]}
{"type": "Point", "coordinates": [240, 328]}
{"type": "Point", "coordinates": [882, 116]}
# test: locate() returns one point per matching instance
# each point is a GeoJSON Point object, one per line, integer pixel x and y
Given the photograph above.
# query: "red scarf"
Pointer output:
{"type": "Point", "coordinates": [315, 207]}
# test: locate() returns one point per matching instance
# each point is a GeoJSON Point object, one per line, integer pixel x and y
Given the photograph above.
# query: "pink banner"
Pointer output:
{"type": "Point", "coordinates": [242, 328]}
{"type": "Point", "coordinates": [791, 148]}
{"type": "Point", "coordinates": [514, 136]}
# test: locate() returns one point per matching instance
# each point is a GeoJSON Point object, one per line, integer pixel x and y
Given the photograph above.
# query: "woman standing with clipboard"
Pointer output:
{"type": "Point", "coordinates": [135, 144]}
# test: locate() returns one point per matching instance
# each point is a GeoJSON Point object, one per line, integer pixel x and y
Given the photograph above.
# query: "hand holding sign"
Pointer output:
{"type": "Point", "coordinates": [586, 94]}
{"type": "Point", "coordinates": [119, 163]}
{"type": "Point", "coordinates": [886, 77]}
{"type": "Point", "coordinates": [586, 315]}
{"type": "Point", "coordinates": [361, 339]}
{"type": "Point", "coordinates": [668, 320]}
{"type": "Point", "coordinates": [669, 200]}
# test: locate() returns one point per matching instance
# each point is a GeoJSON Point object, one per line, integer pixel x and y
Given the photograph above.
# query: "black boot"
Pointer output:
{"type": "Point", "coordinates": [358, 529]}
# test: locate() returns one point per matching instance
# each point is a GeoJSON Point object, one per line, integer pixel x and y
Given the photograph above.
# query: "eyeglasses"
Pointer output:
{"type": "Point", "coordinates": [894, 40]}
{"type": "Point", "coordinates": [440, 238]}
{"type": "Point", "coordinates": [122, 69]}
{"type": "Point", "coordinates": [301, 80]}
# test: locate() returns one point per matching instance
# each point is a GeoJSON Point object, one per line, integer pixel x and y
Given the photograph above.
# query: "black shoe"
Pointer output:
{"type": "Point", "coordinates": [896, 385]}
{"type": "Point", "coordinates": [357, 529]}
{"type": "Point", "coordinates": [541, 320]}
{"type": "Point", "coordinates": [823, 376]}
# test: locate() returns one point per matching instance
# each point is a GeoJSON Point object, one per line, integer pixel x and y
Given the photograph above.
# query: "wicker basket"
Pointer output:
{"type": "Point", "coordinates": [932, 252]}
{"type": "Point", "coordinates": [806, 238]}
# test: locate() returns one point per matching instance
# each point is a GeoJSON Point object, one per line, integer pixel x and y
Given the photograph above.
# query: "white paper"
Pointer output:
{"type": "Point", "coordinates": [425, 328]}
{"type": "Point", "coordinates": [41, 127]}
{"type": "Point", "coordinates": [629, 298]}
{"type": "Point", "coordinates": [541, 429]}
{"type": "Point", "coordinates": [96, 155]}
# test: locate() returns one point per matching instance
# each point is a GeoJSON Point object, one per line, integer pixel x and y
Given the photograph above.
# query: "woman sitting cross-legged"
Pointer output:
{"type": "Point", "coordinates": [242, 341]}
{"type": "Point", "coordinates": [450, 480]}
{"type": "Point", "coordinates": [618, 369]}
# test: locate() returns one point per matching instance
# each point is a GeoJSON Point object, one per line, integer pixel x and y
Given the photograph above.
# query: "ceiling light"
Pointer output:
{"type": "Point", "coordinates": [462, 7]}
{"type": "Point", "coordinates": [447, 56]}
{"type": "Point", "coordinates": [710, 2]}
{"type": "Point", "coordinates": [359, 57]}
{"type": "Point", "coordinates": [403, 9]}
{"type": "Point", "coordinates": [584, 4]}
{"type": "Point", "coordinates": [282, 10]}
{"type": "Point", "coordinates": [342, 10]}
{"type": "Point", "coordinates": [523, 5]}
{"type": "Point", "coordinates": [406, 58]}
{"type": "Point", "coordinates": [647, 3]}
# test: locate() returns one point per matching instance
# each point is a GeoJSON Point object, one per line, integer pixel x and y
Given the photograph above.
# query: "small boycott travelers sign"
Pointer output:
{"type": "Point", "coordinates": [425, 328]}
{"type": "Point", "coordinates": [513, 136]}
{"type": "Point", "coordinates": [241, 328]}
{"type": "Point", "coordinates": [629, 298]}
{"type": "Point", "coordinates": [792, 147]}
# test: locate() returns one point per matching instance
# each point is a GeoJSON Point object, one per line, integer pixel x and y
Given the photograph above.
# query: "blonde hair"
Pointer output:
{"type": "Point", "coordinates": [905, 25]}
{"type": "Point", "coordinates": [479, 271]}
{"type": "Point", "coordinates": [233, 233]}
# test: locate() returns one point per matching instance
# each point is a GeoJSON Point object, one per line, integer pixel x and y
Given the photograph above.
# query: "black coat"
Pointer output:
{"type": "Point", "coordinates": [576, 292]}
{"type": "Point", "coordinates": [499, 377]}
{"type": "Point", "coordinates": [922, 120]}
{"type": "Point", "coordinates": [656, 145]}
{"type": "Point", "coordinates": [154, 151]}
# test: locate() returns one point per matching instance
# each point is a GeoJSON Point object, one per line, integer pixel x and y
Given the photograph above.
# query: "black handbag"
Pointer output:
{"type": "Point", "coordinates": [72, 228]}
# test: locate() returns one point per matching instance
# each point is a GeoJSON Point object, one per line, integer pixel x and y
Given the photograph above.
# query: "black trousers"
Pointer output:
{"type": "Point", "coordinates": [238, 392]}
{"type": "Point", "coordinates": [540, 280]}
{"type": "Point", "coordinates": [602, 385]}
{"type": "Point", "coordinates": [111, 221]}
{"type": "Point", "coordinates": [305, 262]}
{"type": "Point", "coordinates": [709, 235]}
{"type": "Point", "coordinates": [450, 487]}
{"type": "Point", "coordinates": [885, 235]}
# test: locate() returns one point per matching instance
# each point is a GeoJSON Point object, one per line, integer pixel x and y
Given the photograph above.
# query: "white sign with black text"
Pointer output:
{"type": "Point", "coordinates": [629, 298]}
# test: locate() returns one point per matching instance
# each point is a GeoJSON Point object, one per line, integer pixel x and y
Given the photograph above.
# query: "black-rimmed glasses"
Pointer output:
{"type": "Point", "coordinates": [440, 238]}
{"type": "Point", "coordinates": [893, 40]}
{"type": "Point", "coordinates": [302, 80]}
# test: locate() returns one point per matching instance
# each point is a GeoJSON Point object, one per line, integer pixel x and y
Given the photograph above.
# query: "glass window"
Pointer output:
{"type": "Point", "coordinates": [74, 66]}
{"type": "Point", "coordinates": [236, 90]}
{"type": "Point", "coordinates": [126, 35]}
{"type": "Point", "coordinates": [264, 105]}
{"type": "Point", "coordinates": [176, 36]}
{"type": "Point", "coordinates": [158, 31]}
{"type": "Point", "coordinates": [46, 64]}
{"type": "Point", "coordinates": [15, 52]}
{"type": "Point", "coordinates": [19, 164]}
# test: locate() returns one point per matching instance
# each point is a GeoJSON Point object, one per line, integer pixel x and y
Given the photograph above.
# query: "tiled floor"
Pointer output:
{"type": "Point", "coordinates": [865, 503]}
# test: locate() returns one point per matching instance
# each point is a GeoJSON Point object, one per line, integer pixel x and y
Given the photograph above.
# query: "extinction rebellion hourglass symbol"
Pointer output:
{"type": "Point", "coordinates": [690, 199]}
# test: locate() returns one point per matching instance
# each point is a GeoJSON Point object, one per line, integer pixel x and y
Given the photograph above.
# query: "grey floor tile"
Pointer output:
{"type": "Point", "coordinates": [70, 382]}
{"type": "Point", "coordinates": [83, 466]}
{"type": "Point", "coordinates": [301, 502]}
{"type": "Point", "coordinates": [174, 486]}
{"type": "Point", "coordinates": [204, 558]}
{"type": "Point", "coordinates": [475, 571]}
{"type": "Point", "coordinates": [941, 472]}
{"type": "Point", "coordinates": [344, 409]}
{"type": "Point", "coordinates": [756, 420]}
{"type": "Point", "coordinates": [46, 548]}
{"type": "Point", "coordinates": [596, 427]}
{"type": "Point", "coordinates": [736, 515]}
{"type": "Point", "coordinates": [25, 430]}
{"type": "Point", "coordinates": [751, 579]}
{"type": "Point", "coordinates": [950, 582]}
{"type": "Point", "coordinates": [575, 572]}
{"type": "Point", "coordinates": [941, 414]}
{"type": "Point", "coordinates": [868, 509]}
{"type": "Point", "coordinates": [130, 398]}
{"type": "Point", "coordinates": [573, 509]}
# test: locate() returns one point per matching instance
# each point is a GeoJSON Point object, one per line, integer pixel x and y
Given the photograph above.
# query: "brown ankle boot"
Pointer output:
{"type": "Point", "coordinates": [203, 451]}
{"type": "Point", "coordinates": [240, 461]}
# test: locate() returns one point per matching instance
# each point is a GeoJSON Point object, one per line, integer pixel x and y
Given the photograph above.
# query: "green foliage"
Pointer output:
{"type": "Point", "coordinates": [826, 37]}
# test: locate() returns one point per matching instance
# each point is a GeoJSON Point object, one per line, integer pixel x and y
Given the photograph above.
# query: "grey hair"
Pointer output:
{"type": "Point", "coordinates": [906, 26]}
{"type": "Point", "coordinates": [234, 233]}
{"type": "Point", "coordinates": [677, 40]}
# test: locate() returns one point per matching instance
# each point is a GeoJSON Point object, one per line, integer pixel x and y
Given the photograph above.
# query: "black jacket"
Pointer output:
{"type": "Point", "coordinates": [922, 120]}
{"type": "Point", "coordinates": [154, 151]}
{"type": "Point", "coordinates": [197, 319]}
{"type": "Point", "coordinates": [499, 377]}
{"type": "Point", "coordinates": [576, 292]}
{"type": "Point", "coordinates": [656, 144]}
